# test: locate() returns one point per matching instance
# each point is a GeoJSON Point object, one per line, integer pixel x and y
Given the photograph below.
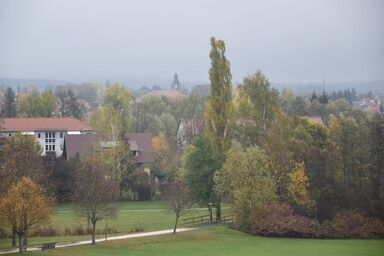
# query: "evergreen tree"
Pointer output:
{"type": "Point", "coordinates": [200, 165]}
{"type": "Point", "coordinates": [10, 103]}
{"type": "Point", "coordinates": [323, 99]}
{"type": "Point", "coordinates": [314, 96]}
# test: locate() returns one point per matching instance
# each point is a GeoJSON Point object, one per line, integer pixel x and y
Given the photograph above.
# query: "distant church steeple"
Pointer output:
{"type": "Point", "coordinates": [176, 85]}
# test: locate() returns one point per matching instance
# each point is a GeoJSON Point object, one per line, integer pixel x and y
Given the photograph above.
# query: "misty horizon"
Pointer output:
{"type": "Point", "coordinates": [290, 41]}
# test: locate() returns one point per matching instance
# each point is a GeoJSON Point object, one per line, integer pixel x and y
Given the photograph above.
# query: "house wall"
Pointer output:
{"type": "Point", "coordinates": [47, 139]}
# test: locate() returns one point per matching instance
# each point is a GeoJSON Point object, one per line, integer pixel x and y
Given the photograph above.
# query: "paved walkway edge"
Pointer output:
{"type": "Point", "coordinates": [68, 244]}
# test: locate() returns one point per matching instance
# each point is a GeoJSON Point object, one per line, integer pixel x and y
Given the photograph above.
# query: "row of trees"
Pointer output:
{"type": "Point", "coordinates": [41, 104]}
{"type": "Point", "coordinates": [260, 146]}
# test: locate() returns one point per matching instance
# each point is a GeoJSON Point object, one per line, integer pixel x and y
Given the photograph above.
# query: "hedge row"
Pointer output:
{"type": "Point", "coordinates": [279, 220]}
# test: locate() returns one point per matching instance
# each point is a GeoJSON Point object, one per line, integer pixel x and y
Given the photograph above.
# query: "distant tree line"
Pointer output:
{"type": "Point", "coordinates": [347, 94]}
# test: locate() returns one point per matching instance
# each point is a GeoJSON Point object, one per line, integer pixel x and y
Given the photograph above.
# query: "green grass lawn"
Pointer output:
{"type": "Point", "coordinates": [147, 216]}
{"type": "Point", "coordinates": [224, 241]}
{"type": "Point", "coordinates": [132, 216]}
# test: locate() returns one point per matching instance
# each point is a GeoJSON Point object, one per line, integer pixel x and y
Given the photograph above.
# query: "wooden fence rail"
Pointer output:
{"type": "Point", "coordinates": [205, 220]}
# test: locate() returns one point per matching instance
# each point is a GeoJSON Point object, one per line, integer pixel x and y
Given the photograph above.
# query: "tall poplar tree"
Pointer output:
{"type": "Point", "coordinates": [218, 116]}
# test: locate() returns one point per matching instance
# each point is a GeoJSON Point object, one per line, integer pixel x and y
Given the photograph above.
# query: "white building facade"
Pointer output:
{"type": "Point", "coordinates": [49, 132]}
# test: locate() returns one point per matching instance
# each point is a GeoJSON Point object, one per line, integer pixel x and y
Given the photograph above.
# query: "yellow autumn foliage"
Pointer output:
{"type": "Point", "coordinates": [25, 206]}
{"type": "Point", "coordinates": [299, 186]}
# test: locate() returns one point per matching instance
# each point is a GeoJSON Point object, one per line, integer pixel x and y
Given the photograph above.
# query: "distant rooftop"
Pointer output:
{"type": "Point", "coordinates": [24, 124]}
{"type": "Point", "coordinates": [166, 93]}
{"type": "Point", "coordinates": [140, 142]}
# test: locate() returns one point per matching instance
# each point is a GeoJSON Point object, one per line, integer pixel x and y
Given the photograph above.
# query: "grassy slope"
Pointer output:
{"type": "Point", "coordinates": [223, 241]}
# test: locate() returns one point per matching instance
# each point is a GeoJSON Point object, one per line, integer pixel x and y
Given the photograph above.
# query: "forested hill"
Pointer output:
{"type": "Point", "coordinates": [376, 87]}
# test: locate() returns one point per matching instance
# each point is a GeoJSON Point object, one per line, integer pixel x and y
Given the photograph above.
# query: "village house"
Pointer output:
{"type": "Point", "coordinates": [189, 129]}
{"type": "Point", "coordinates": [49, 131]}
{"type": "Point", "coordinates": [140, 146]}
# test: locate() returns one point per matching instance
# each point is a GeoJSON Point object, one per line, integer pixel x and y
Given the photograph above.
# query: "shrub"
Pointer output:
{"type": "Point", "coordinates": [139, 227]}
{"type": "Point", "coordinates": [143, 192]}
{"type": "Point", "coordinates": [45, 231]}
{"type": "Point", "coordinates": [103, 231]}
{"type": "Point", "coordinates": [67, 232]}
{"type": "Point", "coordinates": [3, 233]}
{"type": "Point", "coordinates": [278, 220]}
{"type": "Point", "coordinates": [352, 225]}
{"type": "Point", "coordinates": [80, 231]}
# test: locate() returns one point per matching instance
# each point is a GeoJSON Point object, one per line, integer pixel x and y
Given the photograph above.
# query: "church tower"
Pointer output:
{"type": "Point", "coordinates": [176, 85]}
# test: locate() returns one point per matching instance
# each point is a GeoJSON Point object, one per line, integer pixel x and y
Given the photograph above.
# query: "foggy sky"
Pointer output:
{"type": "Point", "coordinates": [119, 40]}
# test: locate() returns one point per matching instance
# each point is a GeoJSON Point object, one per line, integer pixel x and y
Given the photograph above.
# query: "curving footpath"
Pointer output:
{"type": "Point", "coordinates": [67, 244]}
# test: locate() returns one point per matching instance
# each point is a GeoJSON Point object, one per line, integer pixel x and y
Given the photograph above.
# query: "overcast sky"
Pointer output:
{"type": "Point", "coordinates": [290, 41]}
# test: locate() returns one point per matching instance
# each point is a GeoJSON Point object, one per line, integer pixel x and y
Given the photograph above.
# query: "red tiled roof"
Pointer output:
{"type": "Point", "coordinates": [43, 124]}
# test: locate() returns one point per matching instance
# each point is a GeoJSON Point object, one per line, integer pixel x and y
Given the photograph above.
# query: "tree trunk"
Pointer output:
{"type": "Point", "coordinates": [218, 210]}
{"type": "Point", "coordinates": [20, 243]}
{"type": "Point", "coordinates": [25, 242]}
{"type": "Point", "coordinates": [13, 236]}
{"type": "Point", "coordinates": [177, 220]}
{"type": "Point", "coordinates": [93, 233]}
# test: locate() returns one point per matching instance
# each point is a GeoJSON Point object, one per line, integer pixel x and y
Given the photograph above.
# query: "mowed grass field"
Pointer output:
{"type": "Point", "coordinates": [223, 241]}
{"type": "Point", "coordinates": [131, 217]}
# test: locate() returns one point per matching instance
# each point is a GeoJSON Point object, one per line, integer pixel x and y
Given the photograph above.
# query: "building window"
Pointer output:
{"type": "Point", "coordinates": [49, 141]}
{"type": "Point", "coordinates": [134, 153]}
{"type": "Point", "coordinates": [61, 135]}
{"type": "Point", "coordinates": [38, 135]}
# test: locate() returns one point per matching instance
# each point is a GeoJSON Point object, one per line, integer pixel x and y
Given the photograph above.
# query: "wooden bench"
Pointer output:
{"type": "Point", "coordinates": [47, 246]}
